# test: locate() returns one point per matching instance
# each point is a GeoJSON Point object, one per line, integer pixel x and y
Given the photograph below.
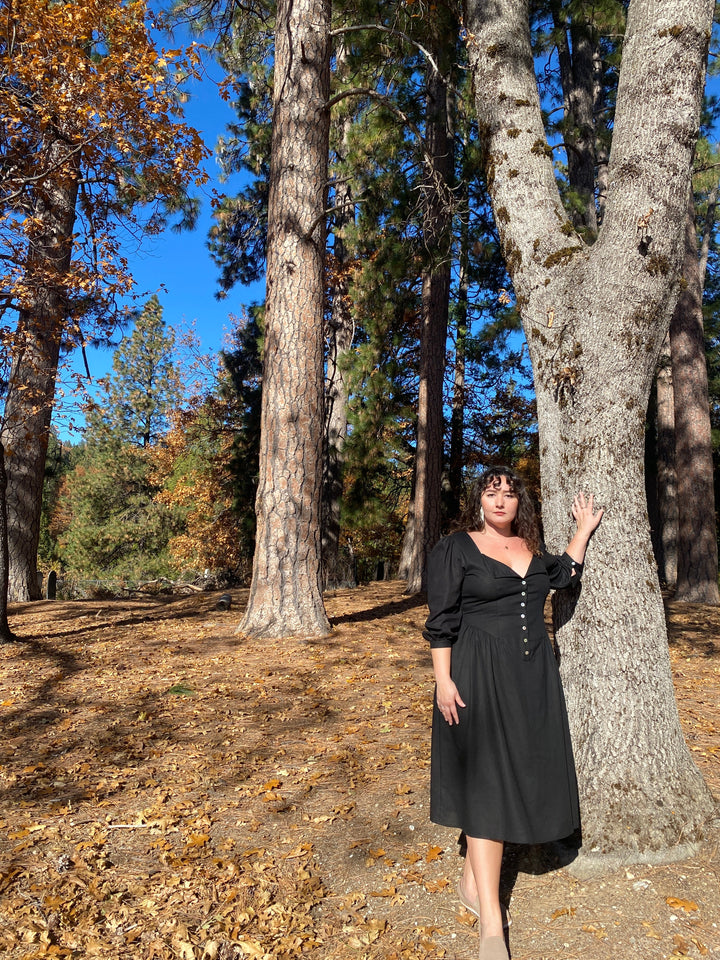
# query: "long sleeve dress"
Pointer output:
{"type": "Point", "coordinates": [506, 770]}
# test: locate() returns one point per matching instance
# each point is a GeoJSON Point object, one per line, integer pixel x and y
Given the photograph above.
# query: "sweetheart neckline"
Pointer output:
{"type": "Point", "coordinates": [506, 565]}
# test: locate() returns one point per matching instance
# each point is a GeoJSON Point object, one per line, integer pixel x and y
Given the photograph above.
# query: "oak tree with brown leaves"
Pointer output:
{"type": "Point", "coordinates": [91, 146]}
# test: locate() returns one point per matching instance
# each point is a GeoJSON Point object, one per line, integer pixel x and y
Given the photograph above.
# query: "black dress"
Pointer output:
{"type": "Point", "coordinates": [505, 771]}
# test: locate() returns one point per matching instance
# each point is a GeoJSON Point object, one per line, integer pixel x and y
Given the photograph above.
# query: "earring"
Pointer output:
{"type": "Point", "coordinates": [482, 517]}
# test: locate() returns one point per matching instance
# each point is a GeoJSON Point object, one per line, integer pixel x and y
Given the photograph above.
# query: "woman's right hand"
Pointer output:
{"type": "Point", "coordinates": [448, 700]}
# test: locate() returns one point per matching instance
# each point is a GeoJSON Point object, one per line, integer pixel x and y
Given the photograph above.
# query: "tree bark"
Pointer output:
{"type": "Point", "coordinates": [36, 352]}
{"type": "Point", "coordinates": [340, 338]}
{"type": "Point", "coordinates": [6, 633]}
{"type": "Point", "coordinates": [595, 318]}
{"type": "Point", "coordinates": [457, 416]}
{"type": "Point", "coordinates": [285, 593]}
{"type": "Point", "coordinates": [577, 74]}
{"type": "Point", "coordinates": [666, 478]}
{"type": "Point", "coordinates": [425, 531]}
{"type": "Point", "coordinates": [697, 552]}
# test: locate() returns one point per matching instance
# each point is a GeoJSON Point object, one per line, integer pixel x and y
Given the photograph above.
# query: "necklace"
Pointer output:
{"type": "Point", "coordinates": [497, 540]}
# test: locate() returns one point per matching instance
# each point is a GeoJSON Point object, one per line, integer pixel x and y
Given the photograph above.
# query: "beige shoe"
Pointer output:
{"type": "Point", "coordinates": [473, 907]}
{"type": "Point", "coordinates": [493, 948]}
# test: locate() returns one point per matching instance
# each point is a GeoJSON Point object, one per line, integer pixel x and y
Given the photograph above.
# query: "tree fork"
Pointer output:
{"type": "Point", "coordinates": [595, 318]}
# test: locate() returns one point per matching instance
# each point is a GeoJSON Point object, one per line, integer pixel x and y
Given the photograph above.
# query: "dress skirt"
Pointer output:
{"type": "Point", "coordinates": [506, 770]}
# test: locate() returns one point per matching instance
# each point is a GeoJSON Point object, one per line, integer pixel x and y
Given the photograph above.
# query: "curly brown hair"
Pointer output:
{"type": "Point", "coordinates": [524, 525]}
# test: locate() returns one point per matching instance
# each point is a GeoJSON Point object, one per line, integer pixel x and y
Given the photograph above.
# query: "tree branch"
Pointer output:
{"type": "Point", "coordinates": [393, 32]}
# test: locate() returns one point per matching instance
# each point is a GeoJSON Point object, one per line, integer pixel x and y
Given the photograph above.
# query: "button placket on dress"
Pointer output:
{"type": "Point", "coordinates": [522, 617]}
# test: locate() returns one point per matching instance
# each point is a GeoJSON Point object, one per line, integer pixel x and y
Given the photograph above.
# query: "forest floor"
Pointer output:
{"type": "Point", "coordinates": [170, 790]}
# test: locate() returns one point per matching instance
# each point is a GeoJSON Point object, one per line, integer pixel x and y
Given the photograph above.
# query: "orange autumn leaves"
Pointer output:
{"type": "Point", "coordinates": [87, 99]}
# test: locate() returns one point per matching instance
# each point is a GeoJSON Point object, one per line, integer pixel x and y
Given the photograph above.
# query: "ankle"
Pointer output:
{"type": "Point", "coordinates": [491, 921]}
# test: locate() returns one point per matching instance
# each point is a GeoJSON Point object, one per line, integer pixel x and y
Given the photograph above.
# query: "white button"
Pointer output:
{"type": "Point", "coordinates": [522, 604]}
{"type": "Point", "coordinates": [523, 594]}
{"type": "Point", "coordinates": [524, 639]}
{"type": "Point", "coordinates": [524, 582]}
{"type": "Point", "coordinates": [524, 628]}
{"type": "Point", "coordinates": [522, 616]}
{"type": "Point", "coordinates": [527, 653]}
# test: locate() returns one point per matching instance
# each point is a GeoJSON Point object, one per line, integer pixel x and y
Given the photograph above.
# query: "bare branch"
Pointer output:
{"type": "Point", "coordinates": [393, 32]}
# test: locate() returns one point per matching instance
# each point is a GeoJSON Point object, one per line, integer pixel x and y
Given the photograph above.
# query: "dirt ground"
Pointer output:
{"type": "Point", "coordinates": [170, 790]}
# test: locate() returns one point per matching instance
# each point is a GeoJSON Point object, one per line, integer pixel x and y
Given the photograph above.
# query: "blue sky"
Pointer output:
{"type": "Point", "coordinates": [181, 261]}
{"type": "Point", "coordinates": [177, 266]}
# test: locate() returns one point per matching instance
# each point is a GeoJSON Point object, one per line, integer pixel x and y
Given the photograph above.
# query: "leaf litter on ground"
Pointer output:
{"type": "Point", "coordinates": [171, 790]}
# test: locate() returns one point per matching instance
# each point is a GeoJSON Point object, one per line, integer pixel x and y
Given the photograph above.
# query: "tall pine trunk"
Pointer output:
{"type": "Point", "coordinates": [666, 540]}
{"type": "Point", "coordinates": [457, 415]}
{"type": "Point", "coordinates": [6, 633]}
{"type": "Point", "coordinates": [339, 343]}
{"type": "Point", "coordinates": [595, 318]}
{"type": "Point", "coordinates": [340, 336]}
{"type": "Point", "coordinates": [36, 352]}
{"type": "Point", "coordinates": [424, 532]}
{"type": "Point", "coordinates": [697, 552]}
{"type": "Point", "coordinates": [285, 593]}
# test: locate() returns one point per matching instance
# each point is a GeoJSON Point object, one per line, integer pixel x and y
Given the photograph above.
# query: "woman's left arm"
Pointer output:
{"type": "Point", "coordinates": [587, 518]}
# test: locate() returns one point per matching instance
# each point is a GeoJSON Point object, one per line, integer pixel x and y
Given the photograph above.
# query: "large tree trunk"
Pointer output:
{"type": "Point", "coordinates": [457, 415]}
{"type": "Point", "coordinates": [595, 318]}
{"type": "Point", "coordinates": [666, 479]}
{"type": "Point", "coordinates": [6, 633]}
{"type": "Point", "coordinates": [340, 337]}
{"type": "Point", "coordinates": [697, 552]}
{"type": "Point", "coordinates": [285, 593]}
{"type": "Point", "coordinates": [425, 530]}
{"type": "Point", "coordinates": [339, 343]}
{"type": "Point", "coordinates": [576, 50]}
{"type": "Point", "coordinates": [36, 352]}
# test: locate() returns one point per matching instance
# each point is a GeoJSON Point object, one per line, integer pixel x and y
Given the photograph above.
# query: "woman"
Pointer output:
{"type": "Point", "coordinates": [502, 765]}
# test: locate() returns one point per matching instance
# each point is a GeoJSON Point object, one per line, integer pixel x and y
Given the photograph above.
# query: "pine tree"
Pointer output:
{"type": "Point", "coordinates": [144, 387]}
{"type": "Point", "coordinates": [285, 593]}
{"type": "Point", "coordinates": [115, 525]}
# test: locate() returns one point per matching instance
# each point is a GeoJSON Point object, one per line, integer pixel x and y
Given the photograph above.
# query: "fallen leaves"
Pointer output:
{"type": "Point", "coordinates": [677, 904]}
{"type": "Point", "coordinates": [563, 912]}
{"type": "Point", "coordinates": [239, 821]}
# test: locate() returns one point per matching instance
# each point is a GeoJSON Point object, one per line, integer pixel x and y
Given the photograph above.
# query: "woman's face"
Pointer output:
{"type": "Point", "coordinates": [499, 503]}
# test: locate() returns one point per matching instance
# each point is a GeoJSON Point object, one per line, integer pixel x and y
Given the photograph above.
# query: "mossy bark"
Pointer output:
{"type": "Point", "coordinates": [595, 318]}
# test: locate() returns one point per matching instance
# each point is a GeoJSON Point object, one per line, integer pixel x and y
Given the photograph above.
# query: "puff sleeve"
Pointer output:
{"type": "Point", "coordinates": [562, 570]}
{"type": "Point", "coordinates": [445, 574]}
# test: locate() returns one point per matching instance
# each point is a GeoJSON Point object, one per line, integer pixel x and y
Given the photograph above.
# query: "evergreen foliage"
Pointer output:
{"type": "Point", "coordinates": [207, 467]}
{"type": "Point", "coordinates": [144, 386]}
{"type": "Point", "coordinates": [112, 525]}
{"type": "Point", "coordinates": [115, 528]}
{"type": "Point", "coordinates": [376, 159]}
